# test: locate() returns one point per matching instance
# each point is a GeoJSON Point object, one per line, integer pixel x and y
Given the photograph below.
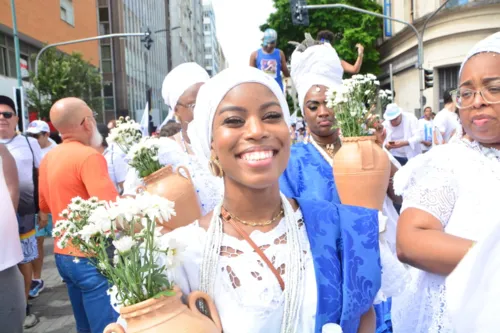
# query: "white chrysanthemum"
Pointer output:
{"type": "Point", "coordinates": [124, 244]}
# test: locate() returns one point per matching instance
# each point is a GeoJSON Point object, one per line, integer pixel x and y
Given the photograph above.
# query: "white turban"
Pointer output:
{"type": "Point", "coordinates": [489, 44]}
{"type": "Point", "coordinates": [213, 92]}
{"type": "Point", "coordinates": [317, 65]}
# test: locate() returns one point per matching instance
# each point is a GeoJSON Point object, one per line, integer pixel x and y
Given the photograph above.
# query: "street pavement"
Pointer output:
{"type": "Point", "coordinates": [52, 307]}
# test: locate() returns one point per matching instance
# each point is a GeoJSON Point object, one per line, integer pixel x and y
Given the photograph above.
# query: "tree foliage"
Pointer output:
{"type": "Point", "coordinates": [349, 26]}
{"type": "Point", "coordinates": [61, 75]}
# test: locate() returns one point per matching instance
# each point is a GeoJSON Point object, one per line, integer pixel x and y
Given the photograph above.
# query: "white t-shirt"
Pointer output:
{"type": "Point", "coordinates": [48, 148]}
{"type": "Point", "coordinates": [11, 253]}
{"type": "Point", "coordinates": [21, 152]}
{"type": "Point", "coordinates": [398, 134]}
{"type": "Point", "coordinates": [117, 166]}
{"type": "Point", "coordinates": [425, 127]}
{"type": "Point", "coordinates": [446, 122]}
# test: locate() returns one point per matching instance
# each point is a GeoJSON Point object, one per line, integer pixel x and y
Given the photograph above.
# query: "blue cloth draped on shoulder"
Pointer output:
{"type": "Point", "coordinates": [308, 175]}
{"type": "Point", "coordinates": [345, 250]}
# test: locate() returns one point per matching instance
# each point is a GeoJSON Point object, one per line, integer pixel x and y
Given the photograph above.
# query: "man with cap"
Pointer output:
{"type": "Point", "coordinates": [270, 59]}
{"type": "Point", "coordinates": [27, 154]}
{"type": "Point", "coordinates": [40, 130]}
{"type": "Point", "coordinates": [403, 135]}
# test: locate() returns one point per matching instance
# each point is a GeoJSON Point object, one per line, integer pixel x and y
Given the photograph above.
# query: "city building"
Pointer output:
{"type": "Point", "coordinates": [44, 22]}
{"type": "Point", "coordinates": [186, 32]}
{"type": "Point", "coordinates": [447, 39]}
{"type": "Point", "coordinates": [214, 58]}
{"type": "Point", "coordinates": [132, 74]}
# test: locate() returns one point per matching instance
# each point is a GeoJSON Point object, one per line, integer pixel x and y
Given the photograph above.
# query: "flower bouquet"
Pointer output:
{"type": "Point", "coordinates": [174, 185]}
{"type": "Point", "coordinates": [361, 167]}
{"type": "Point", "coordinates": [138, 268]}
{"type": "Point", "coordinates": [126, 134]}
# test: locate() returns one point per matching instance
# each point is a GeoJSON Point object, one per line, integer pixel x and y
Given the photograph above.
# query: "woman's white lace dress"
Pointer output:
{"type": "Point", "coordinates": [458, 185]}
{"type": "Point", "coordinates": [248, 295]}
{"type": "Point", "coordinates": [209, 189]}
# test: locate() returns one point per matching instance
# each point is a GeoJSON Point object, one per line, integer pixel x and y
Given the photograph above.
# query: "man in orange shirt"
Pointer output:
{"type": "Point", "coordinates": [76, 169]}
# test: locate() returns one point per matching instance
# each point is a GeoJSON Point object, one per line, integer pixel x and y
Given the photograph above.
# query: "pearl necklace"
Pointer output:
{"type": "Point", "coordinates": [295, 273]}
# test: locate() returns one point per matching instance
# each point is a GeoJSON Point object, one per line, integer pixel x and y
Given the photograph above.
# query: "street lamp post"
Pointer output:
{"type": "Point", "coordinates": [19, 91]}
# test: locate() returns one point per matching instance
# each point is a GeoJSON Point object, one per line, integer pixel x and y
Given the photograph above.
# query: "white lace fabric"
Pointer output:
{"type": "Point", "coordinates": [248, 295]}
{"type": "Point", "coordinates": [458, 185]}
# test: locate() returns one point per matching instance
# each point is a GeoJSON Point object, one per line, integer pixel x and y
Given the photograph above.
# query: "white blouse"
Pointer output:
{"type": "Point", "coordinates": [248, 296]}
{"type": "Point", "coordinates": [458, 185]}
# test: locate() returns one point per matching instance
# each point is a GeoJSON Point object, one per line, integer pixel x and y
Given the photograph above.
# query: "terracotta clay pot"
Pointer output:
{"type": "Point", "coordinates": [361, 170]}
{"type": "Point", "coordinates": [168, 314]}
{"type": "Point", "coordinates": [176, 187]}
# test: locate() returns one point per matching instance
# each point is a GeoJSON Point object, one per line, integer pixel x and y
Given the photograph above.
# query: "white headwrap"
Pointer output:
{"type": "Point", "coordinates": [212, 93]}
{"type": "Point", "coordinates": [317, 65]}
{"type": "Point", "coordinates": [489, 44]}
{"type": "Point", "coordinates": [178, 81]}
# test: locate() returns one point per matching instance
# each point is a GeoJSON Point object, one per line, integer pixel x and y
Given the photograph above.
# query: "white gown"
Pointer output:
{"type": "Point", "coordinates": [458, 185]}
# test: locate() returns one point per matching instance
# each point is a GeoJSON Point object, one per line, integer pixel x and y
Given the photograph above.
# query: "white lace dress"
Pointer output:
{"type": "Point", "coordinates": [209, 189]}
{"type": "Point", "coordinates": [248, 295]}
{"type": "Point", "coordinates": [458, 185]}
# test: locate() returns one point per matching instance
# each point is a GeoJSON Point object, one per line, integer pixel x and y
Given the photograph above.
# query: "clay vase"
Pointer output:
{"type": "Point", "coordinates": [361, 170]}
{"type": "Point", "coordinates": [176, 187]}
{"type": "Point", "coordinates": [168, 314]}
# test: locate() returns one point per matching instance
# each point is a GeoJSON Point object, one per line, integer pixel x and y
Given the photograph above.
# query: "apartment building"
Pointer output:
{"type": "Point", "coordinates": [214, 58]}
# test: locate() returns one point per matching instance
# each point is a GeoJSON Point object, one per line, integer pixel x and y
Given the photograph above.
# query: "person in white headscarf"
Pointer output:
{"type": "Point", "coordinates": [449, 203]}
{"type": "Point", "coordinates": [309, 174]}
{"type": "Point", "coordinates": [179, 91]}
{"type": "Point", "coordinates": [269, 263]}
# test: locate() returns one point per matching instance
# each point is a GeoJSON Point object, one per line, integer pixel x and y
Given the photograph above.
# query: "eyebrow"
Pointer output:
{"type": "Point", "coordinates": [242, 109]}
{"type": "Point", "coordinates": [484, 81]}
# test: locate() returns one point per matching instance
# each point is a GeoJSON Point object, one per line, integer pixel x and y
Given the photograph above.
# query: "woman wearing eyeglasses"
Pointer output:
{"type": "Point", "coordinates": [449, 194]}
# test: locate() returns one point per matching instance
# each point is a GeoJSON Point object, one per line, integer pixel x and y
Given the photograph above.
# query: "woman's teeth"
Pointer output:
{"type": "Point", "coordinates": [257, 155]}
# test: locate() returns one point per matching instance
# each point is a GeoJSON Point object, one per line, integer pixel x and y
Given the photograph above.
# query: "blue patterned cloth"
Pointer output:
{"type": "Point", "coordinates": [308, 175]}
{"type": "Point", "coordinates": [345, 250]}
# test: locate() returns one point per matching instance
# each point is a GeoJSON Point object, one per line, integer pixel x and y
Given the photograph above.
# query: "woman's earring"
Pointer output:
{"type": "Point", "coordinates": [215, 167]}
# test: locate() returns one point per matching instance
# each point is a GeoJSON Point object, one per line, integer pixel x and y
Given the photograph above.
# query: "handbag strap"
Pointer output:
{"type": "Point", "coordinates": [227, 217]}
{"type": "Point", "coordinates": [31, 149]}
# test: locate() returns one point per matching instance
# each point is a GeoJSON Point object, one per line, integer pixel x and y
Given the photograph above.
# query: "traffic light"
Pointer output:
{"type": "Point", "coordinates": [429, 78]}
{"type": "Point", "coordinates": [300, 15]}
{"type": "Point", "coordinates": [147, 40]}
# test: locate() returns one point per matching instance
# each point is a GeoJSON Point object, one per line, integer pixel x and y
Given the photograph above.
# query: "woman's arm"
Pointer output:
{"type": "Point", "coordinates": [10, 174]}
{"type": "Point", "coordinates": [390, 190]}
{"type": "Point", "coordinates": [422, 243]}
{"type": "Point", "coordinates": [367, 323]}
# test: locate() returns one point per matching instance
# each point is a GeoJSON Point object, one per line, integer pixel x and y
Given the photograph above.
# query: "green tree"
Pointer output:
{"type": "Point", "coordinates": [61, 75]}
{"type": "Point", "coordinates": [350, 28]}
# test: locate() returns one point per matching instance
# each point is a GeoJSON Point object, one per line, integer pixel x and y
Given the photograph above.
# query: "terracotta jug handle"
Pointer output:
{"type": "Point", "coordinates": [140, 189]}
{"type": "Point", "coordinates": [183, 168]}
{"type": "Point", "coordinates": [114, 328]}
{"type": "Point", "coordinates": [214, 315]}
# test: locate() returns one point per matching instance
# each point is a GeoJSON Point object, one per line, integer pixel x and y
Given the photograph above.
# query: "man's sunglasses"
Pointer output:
{"type": "Point", "coordinates": [6, 114]}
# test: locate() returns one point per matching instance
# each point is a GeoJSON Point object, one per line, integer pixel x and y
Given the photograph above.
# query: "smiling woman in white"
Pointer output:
{"type": "Point", "coordinates": [450, 196]}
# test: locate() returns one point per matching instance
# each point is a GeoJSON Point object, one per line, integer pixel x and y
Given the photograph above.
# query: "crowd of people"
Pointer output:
{"type": "Point", "coordinates": [276, 249]}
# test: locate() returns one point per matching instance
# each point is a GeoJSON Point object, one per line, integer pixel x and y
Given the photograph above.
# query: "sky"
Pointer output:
{"type": "Point", "coordinates": [237, 23]}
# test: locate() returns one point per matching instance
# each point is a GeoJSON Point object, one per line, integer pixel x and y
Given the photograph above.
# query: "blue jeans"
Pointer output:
{"type": "Point", "coordinates": [87, 292]}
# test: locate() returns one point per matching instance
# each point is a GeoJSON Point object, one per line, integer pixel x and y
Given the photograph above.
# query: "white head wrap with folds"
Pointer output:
{"type": "Point", "coordinates": [489, 44]}
{"type": "Point", "coordinates": [213, 92]}
{"type": "Point", "coordinates": [178, 81]}
{"type": "Point", "coordinates": [317, 65]}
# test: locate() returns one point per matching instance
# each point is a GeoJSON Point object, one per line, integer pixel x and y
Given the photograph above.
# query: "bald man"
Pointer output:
{"type": "Point", "coordinates": [76, 169]}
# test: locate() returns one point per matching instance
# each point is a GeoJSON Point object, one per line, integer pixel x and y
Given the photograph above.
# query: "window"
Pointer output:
{"type": "Point", "coordinates": [103, 15]}
{"type": "Point", "coordinates": [109, 103]}
{"type": "Point", "coordinates": [104, 29]}
{"type": "Point", "coordinates": [3, 62]}
{"type": "Point", "coordinates": [106, 66]}
{"type": "Point", "coordinates": [67, 13]}
{"type": "Point", "coordinates": [448, 79]}
{"type": "Point", "coordinates": [108, 89]}
{"type": "Point", "coordinates": [105, 52]}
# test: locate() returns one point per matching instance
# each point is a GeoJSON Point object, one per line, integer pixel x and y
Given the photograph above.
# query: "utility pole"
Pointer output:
{"type": "Point", "coordinates": [19, 90]}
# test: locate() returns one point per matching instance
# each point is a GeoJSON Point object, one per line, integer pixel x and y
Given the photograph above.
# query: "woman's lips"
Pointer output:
{"type": "Point", "coordinates": [258, 159]}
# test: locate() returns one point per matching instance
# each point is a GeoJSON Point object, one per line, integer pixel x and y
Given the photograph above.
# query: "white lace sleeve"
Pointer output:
{"type": "Point", "coordinates": [428, 183]}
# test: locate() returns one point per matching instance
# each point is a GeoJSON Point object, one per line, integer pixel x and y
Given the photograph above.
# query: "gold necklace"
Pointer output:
{"type": "Point", "coordinates": [328, 148]}
{"type": "Point", "coordinates": [227, 216]}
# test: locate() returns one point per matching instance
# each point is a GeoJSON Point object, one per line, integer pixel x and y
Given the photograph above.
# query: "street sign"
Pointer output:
{"type": "Point", "coordinates": [300, 15]}
{"type": "Point", "coordinates": [24, 68]}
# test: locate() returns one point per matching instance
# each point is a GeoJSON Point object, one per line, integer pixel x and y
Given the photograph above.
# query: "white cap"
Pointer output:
{"type": "Point", "coordinates": [38, 126]}
{"type": "Point", "coordinates": [392, 111]}
{"type": "Point", "coordinates": [331, 328]}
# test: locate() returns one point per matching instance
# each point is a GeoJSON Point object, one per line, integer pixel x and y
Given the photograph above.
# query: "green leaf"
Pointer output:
{"type": "Point", "coordinates": [165, 293]}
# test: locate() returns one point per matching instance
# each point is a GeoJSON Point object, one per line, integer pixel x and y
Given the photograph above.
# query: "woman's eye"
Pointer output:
{"type": "Point", "coordinates": [233, 121]}
{"type": "Point", "coordinates": [273, 115]}
{"type": "Point", "coordinates": [312, 107]}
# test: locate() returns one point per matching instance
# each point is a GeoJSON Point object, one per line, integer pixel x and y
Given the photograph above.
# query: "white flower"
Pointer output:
{"type": "Point", "coordinates": [101, 219]}
{"type": "Point", "coordinates": [124, 244]}
{"type": "Point", "coordinates": [88, 231]}
{"type": "Point", "coordinates": [376, 82]}
{"type": "Point", "coordinates": [76, 260]}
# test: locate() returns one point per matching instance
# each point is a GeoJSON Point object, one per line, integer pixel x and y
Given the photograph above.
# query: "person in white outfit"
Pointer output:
{"type": "Point", "coordinates": [403, 137]}
{"type": "Point", "coordinates": [425, 126]}
{"type": "Point", "coordinates": [446, 123]}
{"type": "Point", "coordinates": [450, 202]}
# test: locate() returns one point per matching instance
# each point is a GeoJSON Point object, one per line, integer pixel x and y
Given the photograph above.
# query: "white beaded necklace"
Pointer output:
{"type": "Point", "coordinates": [295, 273]}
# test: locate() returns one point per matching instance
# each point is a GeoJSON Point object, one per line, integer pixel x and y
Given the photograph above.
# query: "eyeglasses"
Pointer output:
{"type": "Point", "coordinates": [464, 98]}
{"type": "Point", "coordinates": [188, 106]}
{"type": "Point", "coordinates": [7, 115]}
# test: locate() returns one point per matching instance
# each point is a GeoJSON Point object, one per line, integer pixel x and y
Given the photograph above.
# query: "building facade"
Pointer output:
{"type": "Point", "coordinates": [132, 74]}
{"type": "Point", "coordinates": [214, 58]}
{"type": "Point", "coordinates": [447, 39]}
{"type": "Point", "coordinates": [42, 22]}
{"type": "Point", "coordinates": [186, 31]}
